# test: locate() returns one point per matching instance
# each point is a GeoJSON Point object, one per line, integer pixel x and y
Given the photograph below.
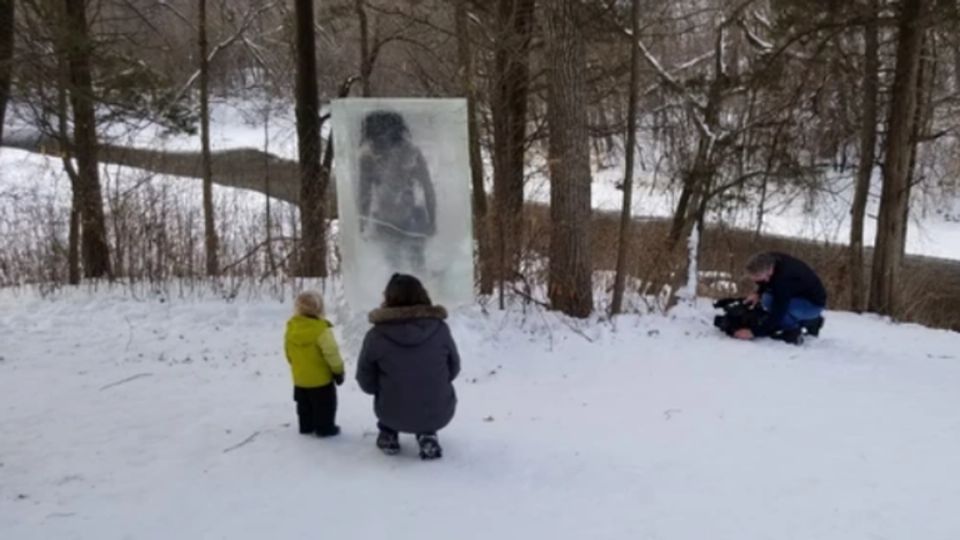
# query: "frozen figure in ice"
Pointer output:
{"type": "Point", "coordinates": [398, 204]}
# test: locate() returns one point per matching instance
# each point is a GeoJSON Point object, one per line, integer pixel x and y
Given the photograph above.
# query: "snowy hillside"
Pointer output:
{"type": "Point", "coordinates": [139, 418]}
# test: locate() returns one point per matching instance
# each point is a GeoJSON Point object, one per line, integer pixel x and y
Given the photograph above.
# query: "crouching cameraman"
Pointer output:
{"type": "Point", "coordinates": [791, 294]}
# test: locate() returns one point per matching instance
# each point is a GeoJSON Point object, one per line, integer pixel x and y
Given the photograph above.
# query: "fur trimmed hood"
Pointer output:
{"type": "Point", "coordinates": [408, 326]}
{"type": "Point", "coordinates": [406, 313]}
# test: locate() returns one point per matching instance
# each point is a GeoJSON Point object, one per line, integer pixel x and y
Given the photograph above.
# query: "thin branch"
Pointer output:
{"type": "Point", "coordinates": [244, 442]}
{"type": "Point", "coordinates": [226, 43]}
{"type": "Point", "coordinates": [128, 379]}
{"type": "Point", "coordinates": [186, 20]}
{"type": "Point", "coordinates": [674, 84]}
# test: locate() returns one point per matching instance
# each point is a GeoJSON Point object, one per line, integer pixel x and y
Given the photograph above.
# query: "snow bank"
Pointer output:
{"type": "Point", "coordinates": [136, 418]}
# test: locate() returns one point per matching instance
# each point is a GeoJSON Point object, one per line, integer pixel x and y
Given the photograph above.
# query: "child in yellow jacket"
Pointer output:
{"type": "Point", "coordinates": [316, 366]}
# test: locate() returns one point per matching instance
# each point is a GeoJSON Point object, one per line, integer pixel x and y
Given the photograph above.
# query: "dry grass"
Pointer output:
{"type": "Point", "coordinates": [931, 288]}
{"type": "Point", "coordinates": [156, 236]}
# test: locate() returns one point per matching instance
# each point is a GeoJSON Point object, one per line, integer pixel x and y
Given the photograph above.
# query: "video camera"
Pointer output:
{"type": "Point", "coordinates": [737, 314]}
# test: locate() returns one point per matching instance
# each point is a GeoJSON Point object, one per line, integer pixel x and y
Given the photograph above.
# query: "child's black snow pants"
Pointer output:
{"type": "Point", "coordinates": [316, 409]}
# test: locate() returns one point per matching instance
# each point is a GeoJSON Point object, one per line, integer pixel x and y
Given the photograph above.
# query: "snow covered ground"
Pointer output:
{"type": "Point", "coordinates": [124, 416]}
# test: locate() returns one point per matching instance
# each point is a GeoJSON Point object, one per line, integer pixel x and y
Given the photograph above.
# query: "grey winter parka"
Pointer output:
{"type": "Point", "coordinates": [408, 363]}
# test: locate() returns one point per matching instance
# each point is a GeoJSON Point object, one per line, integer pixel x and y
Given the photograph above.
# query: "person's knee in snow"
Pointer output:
{"type": "Point", "coordinates": [315, 365]}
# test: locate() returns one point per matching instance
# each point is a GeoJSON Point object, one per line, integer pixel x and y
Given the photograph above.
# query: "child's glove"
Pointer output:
{"type": "Point", "coordinates": [338, 378]}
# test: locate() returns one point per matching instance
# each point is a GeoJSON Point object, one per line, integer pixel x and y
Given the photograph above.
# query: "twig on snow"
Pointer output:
{"type": "Point", "coordinates": [244, 442]}
{"type": "Point", "coordinates": [128, 379]}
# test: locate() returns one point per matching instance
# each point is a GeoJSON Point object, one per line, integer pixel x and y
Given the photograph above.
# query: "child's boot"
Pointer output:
{"type": "Point", "coordinates": [329, 431]}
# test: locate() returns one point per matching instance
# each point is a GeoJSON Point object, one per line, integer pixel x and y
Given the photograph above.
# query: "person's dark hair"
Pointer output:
{"type": "Point", "coordinates": [405, 290]}
{"type": "Point", "coordinates": [385, 126]}
{"type": "Point", "coordinates": [761, 262]}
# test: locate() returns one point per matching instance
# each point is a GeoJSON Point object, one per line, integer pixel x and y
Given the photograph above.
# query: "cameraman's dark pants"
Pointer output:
{"type": "Point", "coordinates": [316, 408]}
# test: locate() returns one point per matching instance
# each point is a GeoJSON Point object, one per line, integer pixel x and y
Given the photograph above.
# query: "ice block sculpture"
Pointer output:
{"type": "Point", "coordinates": [402, 168]}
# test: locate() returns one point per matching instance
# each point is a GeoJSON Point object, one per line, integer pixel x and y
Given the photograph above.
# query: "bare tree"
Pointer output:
{"type": "Point", "coordinates": [899, 148]}
{"type": "Point", "coordinates": [511, 80]}
{"type": "Point", "coordinates": [868, 142]}
{"type": "Point", "coordinates": [366, 61]}
{"type": "Point", "coordinates": [570, 275]}
{"type": "Point", "coordinates": [629, 154]}
{"type": "Point", "coordinates": [313, 179]}
{"type": "Point", "coordinates": [956, 64]}
{"type": "Point", "coordinates": [94, 248]}
{"type": "Point", "coordinates": [73, 233]}
{"type": "Point", "coordinates": [209, 226]}
{"type": "Point", "coordinates": [480, 225]}
{"type": "Point", "coordinates": [7, 12]}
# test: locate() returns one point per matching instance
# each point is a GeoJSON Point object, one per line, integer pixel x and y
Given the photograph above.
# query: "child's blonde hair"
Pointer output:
{"type": "Point", "coordinates": [309, 304]}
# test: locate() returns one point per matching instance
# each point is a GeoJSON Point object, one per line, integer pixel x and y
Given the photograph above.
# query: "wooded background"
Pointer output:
{"type": "Point", "coordinates": [729, 101]}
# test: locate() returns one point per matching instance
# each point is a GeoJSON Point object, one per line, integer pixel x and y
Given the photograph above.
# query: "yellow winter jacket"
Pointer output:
{"type": "Point", "coordinates": [311, 351]}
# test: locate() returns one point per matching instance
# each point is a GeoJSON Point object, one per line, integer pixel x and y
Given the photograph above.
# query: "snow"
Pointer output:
{"type": "Point", "coordinates": [234, 123]}
{"type": "Point", "coordinates": [129, 414]}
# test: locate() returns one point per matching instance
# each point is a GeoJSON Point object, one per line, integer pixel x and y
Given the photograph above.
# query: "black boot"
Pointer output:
{"type": "Point", "coordinates": [388, 442]}
{"type": "Point", "coordinates": [429, 446]}
{"type": "Point", "coordinates": [328, 431]}
{"type": "Point", "coordinates": [793, 336]}
{"type": "Point", "coordinates": [813, 326]}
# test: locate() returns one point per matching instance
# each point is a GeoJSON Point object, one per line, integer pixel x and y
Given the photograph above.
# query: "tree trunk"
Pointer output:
{"type": "Point", "coordinates": [695, 190]}
{"type": "Point", "coordinates": [956, 67]}
{"type": "Point", "coordinates": [511, 80]}
{"type": "Point", "coordinates": [7, 12]}
{"type": "Point", "coordinates": [868, 143]}
{"type": "Point", "coordinates": [480, 225]}
{"type": "Point", "coordinates": [922, 118]}
{"type": "Point", "coordinates": [895, 199]}
{"type": "Point", "coordinates": [570, 286]}
{"type": "Point", "coordinates": [626, 217]}
{"type": "Point", "coordinates": [268, 212]}
{"type": "Point", "coordinates": [774, 145]}
{"type": "Point", "coordinates": [64, 140]}
{"type": "Point", "coordinates": [209, 226]}
{"type": "Point", "coordinates": [697, 181]}
{"type": "Point", "coordinates": [66, 153]}
{"type": "Point", "coordinates": [366, 63]}
{"type": "Point", "coordinates": [313, 182]}
{"type": "Point", "coordinates": [93, 238]}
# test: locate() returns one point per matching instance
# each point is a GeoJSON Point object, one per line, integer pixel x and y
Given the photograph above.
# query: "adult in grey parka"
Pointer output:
{"type": "Point", "coordinates": [409, 361]}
